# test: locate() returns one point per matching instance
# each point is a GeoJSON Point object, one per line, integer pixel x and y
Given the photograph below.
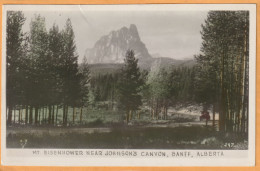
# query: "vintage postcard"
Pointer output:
{"type": "Point", "coordinates": [128, 85]}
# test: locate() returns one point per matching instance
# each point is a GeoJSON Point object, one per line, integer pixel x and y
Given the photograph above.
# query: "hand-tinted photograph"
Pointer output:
{"type": "Point", "coordinates": [126, 79]}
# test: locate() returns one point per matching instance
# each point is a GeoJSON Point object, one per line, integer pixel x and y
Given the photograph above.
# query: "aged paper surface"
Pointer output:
{"type": "Point", "coordinates": [128, 85]}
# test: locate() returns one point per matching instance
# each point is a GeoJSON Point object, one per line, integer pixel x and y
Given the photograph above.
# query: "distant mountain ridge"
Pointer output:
{"type": "Point", "coordinates": [111, 48]}
{"type": "Point", "coordinates": [109, 51]}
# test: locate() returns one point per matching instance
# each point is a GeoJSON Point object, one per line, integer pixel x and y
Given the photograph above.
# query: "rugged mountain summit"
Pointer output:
{"type": "Point", "coordinates": [111, 48]}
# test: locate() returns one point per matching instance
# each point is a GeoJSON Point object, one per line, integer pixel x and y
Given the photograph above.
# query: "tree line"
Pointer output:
{"type": "Point", "coordinates": [223, 68]}
{"type": "Point", "coordinates": [42, 70]}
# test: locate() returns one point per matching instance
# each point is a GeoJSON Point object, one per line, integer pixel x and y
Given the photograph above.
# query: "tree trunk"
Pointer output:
{"type": "Point", "coordinates": [73, 115]}
{"type": "Point", "coordinates": [127, 117]}
{"type": "Point", "coordinates": [166, 115]}
{"type": "Point", "coordinates": [214, 110]}
{"type": "Point", "coordinates": [30, 115]}
{"type": "Point", "coordinates": [22, 114]}
{"type": "Point", "coordinates": [9, 120]}
{"type": "Point", "coordinates": [53, 114]}
{"type": "Point", "coordinates": [14, 114]}
{"type": "Point", "coordinates": [153, 114]}
{"type": "Point", "coordinates": [130, 115]}
{"type": "Point", "coordinates": [44, 115]}
{"type": "Point", "coordinates": [151, 109]}
{"type": "Point", "coordinates": [244, 83]}
{"type": "Point", "coordinates": [246, 125]}
{"type": "Point", "coordinates": [64, 113]}
{"type": "Point", "coordinates": [222, 116]}
{"type": "Point", "coordinates": [26, 114]}
{"type": "Point", "coordinates": [243, 119]}
{"type": "Point", "coordinates": [156, 110]}
{"type": "Point", "coordinates": [19, 117]}
{"type": "Point", "coordinates": [49, 117]}
{"type": "Point", "coordinates": [36, 116]}
{"type": "Point", "coordinates": [39, 116]}
{"type": "Point", "coordinates": [80, 115]}
{"type": "Point", "coordinates": [42, 120]}
{"type": "Point", "coordinates": [57, 110]}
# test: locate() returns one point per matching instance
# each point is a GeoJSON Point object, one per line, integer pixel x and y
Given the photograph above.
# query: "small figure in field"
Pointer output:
{"type": "Point", "coordinates": [205, 115]}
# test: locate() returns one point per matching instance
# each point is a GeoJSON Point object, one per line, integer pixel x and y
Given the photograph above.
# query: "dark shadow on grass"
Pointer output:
{"type": "Point", "coordinates": [127, 137]}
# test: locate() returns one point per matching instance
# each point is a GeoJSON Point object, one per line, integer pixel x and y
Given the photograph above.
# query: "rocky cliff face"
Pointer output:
{"type": "Point", "coordinates": [111, 48]}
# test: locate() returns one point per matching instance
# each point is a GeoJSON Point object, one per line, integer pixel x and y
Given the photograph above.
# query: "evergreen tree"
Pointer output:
{"type": "Point", "coordinates": [84, 85]}
{"type": "Point", "coordinates": [69, 71]}
{"type": "Point", "coordinates": [54, 93]}
{"type": "Point", "coordinates": [130, 85]}
{"type": "Point", "coordinates": [224, 64]}
{"type": "Point", "coordinates": [14, 62]}
{"type": "Point", "coordinates": [39, 68]}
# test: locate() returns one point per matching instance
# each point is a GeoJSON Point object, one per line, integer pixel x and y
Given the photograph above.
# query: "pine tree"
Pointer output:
{"type": "Point", "coordinates": [39, 68]}
{"type": "Point", "coordinates": [14, 62]}
{"type": "Point", "coordinates": [69, 71]}
{"type": "Point", "coordinates": [53, 63]}
{"type": "Point", "coordinates": [224, 64]}
{"type": "Point", "coordinates": [130, 85]}
{"type": "Point", "coordinates": [84, 85]}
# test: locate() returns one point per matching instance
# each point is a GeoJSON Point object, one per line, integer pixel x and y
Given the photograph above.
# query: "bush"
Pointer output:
{"type": "Point", "coordinates": [97, 122]}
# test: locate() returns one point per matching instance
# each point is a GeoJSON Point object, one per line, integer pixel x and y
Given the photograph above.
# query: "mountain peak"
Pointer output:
{"type": "Point", "coordinates": [123, 29]}
{"type": "Point", "coordinates": [133, 27]}
{"type": "Point", "coordinates": [111, 48]}
{"type": "Point", "coordinates": [133, 30]}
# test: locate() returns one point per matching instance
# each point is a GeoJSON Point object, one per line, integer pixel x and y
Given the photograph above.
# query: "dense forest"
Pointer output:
{"type": "Point", "coordinates": [45, 77]}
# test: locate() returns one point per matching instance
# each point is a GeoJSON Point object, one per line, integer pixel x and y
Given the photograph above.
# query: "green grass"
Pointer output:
{"type": "Point", "coordinates": [137, 135]}
{"type": "Point", "coordinates": [123, 138]}
{"type": "Point", "coordinates": [89, 116]}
